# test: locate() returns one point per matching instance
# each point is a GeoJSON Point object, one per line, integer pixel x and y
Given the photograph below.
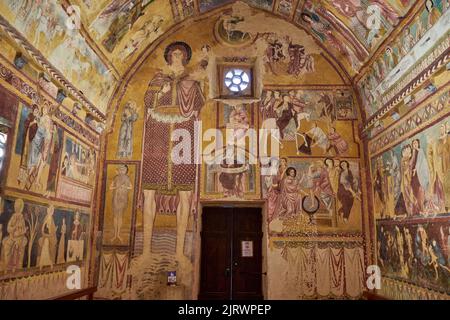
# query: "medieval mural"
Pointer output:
{"type": "Point", "coordinates": [43, 226]}
{"type": "Point", "coordinates": [126, 213]}
{"type": "Point", "coordinates": [39, 236]}
{"type": "Point", "coordinates": [62, 43]}
{"type": "Point", "coordinates": [318, 142]}
{"type": "Point", "coordinates": [411, 203]}
{"type": "Point", "coordinates": [411, 48]}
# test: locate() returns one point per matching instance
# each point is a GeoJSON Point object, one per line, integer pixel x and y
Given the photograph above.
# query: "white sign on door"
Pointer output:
{"type": "Point", "coordinates": [247, 248]}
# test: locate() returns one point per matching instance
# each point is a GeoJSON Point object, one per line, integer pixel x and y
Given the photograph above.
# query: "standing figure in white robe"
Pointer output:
{"type": "Point", "coordinates": [319, 137]}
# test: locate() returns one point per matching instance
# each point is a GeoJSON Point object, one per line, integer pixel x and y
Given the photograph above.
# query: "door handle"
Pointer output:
{"type": "Point", "coordinates": [227, 272]}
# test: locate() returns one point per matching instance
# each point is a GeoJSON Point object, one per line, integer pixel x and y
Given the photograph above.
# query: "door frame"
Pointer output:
{"type": "Point", "coordinates": [264, 242]}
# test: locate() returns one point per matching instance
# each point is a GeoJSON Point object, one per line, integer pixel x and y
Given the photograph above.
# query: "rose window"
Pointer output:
{"type": "Point", "coordinates": [237, 80]}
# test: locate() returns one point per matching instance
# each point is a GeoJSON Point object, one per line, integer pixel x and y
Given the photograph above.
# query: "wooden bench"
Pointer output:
{"type": "Point", "coordinates": [88, 292]}
{"type": "Point", "coordinates": [367, 295]}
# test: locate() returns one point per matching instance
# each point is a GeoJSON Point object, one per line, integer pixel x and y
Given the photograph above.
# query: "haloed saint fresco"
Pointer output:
{"type": "Point", "coordinates": [33, 235]}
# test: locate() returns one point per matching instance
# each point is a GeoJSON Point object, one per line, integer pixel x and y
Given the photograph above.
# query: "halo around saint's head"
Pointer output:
{"type": "Point", "coordinates": [178, 45]}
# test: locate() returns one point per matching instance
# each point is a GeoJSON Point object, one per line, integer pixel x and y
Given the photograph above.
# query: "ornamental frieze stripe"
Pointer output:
{"type": "Point", "coordinates": [24, 88]}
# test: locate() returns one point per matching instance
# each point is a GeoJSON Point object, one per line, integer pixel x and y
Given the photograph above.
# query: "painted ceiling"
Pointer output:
{"type": "Point", "coordinates": [103, 38]}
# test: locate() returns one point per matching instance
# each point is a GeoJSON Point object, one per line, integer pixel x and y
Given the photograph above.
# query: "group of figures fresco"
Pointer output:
{"type": "Point", "coordinates": [33, 235]}
{"type": "Point", "coordinates": [410, 179]}
{"type": "Point", "coordinates": [39, 145]}
{"type": "Point", "coordinates": [309, 118]}
{"type": "Point", "coordinates": [45, 23]}
{"type": "Point", "coordinates": [117, 19]}
{"type": "Point", "coordinates": [79, 162]}
{"type": "Point", "coordinates": [312, 190]}
{"type": "Point", "coordinates": [412, 201]}
{"type": "Point", "coordinates": [44, 152]}
{"type": "Point", "coordinates": [283, 56]}
{"type": "Point", "coordinates": [368, 21]}
{"type": "Point", "coordinates": [416, 251]}
{"type": "Point", "coordinates": [370, 86]}
{"type": "Point", "coordinates": [206, 5]}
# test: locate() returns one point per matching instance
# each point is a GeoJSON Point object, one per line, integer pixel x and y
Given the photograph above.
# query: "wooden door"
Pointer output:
{"type": "Point", "coordinates": [231, 259]}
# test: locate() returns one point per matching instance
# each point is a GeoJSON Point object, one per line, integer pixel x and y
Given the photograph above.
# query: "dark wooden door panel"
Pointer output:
{"type": "Point", "coordinates": [227, 270]}
{"type": "Point", "coordinates": [247, 257]}
{"type": "Point", "coordinates": [216, 253]}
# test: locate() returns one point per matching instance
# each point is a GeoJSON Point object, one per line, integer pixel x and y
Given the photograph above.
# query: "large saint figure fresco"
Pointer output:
{"type": "Point", "coordinates": [173, 101]}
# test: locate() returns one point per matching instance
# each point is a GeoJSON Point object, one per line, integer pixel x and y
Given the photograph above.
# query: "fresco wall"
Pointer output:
{"type": "Point", "coordinates": [45, 26]}
{"type": "Point", "coordinates": [411, 198]}
{"type": "Point", "coordinates": [405, 96]}
{"type": "Point", "coordinates": [317, 116]}
{"type": "Point", "coordinates": [422, 41]}
{"type": "Point", "coordinates": [48, 175]}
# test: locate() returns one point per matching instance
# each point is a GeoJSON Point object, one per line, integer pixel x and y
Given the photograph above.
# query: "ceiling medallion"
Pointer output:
{"type": "Point", "coordinates": [227, 31]}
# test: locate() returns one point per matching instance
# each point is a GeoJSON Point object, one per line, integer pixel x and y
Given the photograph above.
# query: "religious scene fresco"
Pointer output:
{"type": "Point", "coordinates": [406, 50]}
{"type": "Point", "coordinates": [317, 138]}
{"type": "Point", "coordinates": [311, 118]}
{"type": "Point", "coordinates": [39, 236]}
{"type": "Point", "coordinates": [411, 203]}
{"type": "Point", "coordinates": [410, 179]}
{"type": "Point", "coordinates": [65, 48]}
{"type": "Point", "coordinates": [355, 94]}
{"type": "Point", "coordinates": [319, 194]}
{"type": "Point", "coordinates": [39, 144]}
{"type": "Point", "coordinates": [416, 251]}
{"type": "Point", "coordinates": [44, 226]}
{"type": "Point", "coordinates": [48, 161]}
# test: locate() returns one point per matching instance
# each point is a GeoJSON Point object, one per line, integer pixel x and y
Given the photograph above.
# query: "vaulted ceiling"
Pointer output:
{"type": "Point", "coordinates": [108, 36]}
{"type": "Point", "coordinates": [350, 27]}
